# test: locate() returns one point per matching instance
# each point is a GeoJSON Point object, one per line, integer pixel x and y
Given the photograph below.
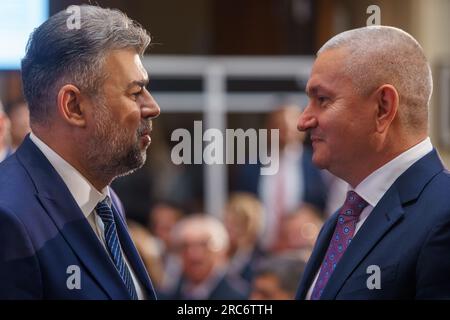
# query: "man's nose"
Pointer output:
{"type": "Point", "coordinates": [306, 120]}
{"type": "Point", "coordinates": [150, 108]}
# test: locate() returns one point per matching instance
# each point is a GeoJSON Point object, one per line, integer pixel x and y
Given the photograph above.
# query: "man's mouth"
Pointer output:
{"type": "Point", "coordinates": [145, 130]}
{"type": "Point", "coordinates": [144, 134]}
{"type": "Point", "coordinates": [316, 139]}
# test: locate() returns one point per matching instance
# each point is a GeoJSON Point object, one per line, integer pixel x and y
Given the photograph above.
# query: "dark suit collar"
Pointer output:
{"type": "Point", "coordinates": [385, 215]}
{"type": "Point", "coordinates": [61, 207]}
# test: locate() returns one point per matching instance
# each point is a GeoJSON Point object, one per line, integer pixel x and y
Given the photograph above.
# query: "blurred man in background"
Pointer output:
{"type": "Point", "coordinates": [62, 229]}
{"type": "Point", "coordinates": [299, 230]}
{"type": "Point", "coordinates": [276, 278]}
{"type": "Point", "coordinates": [297, 180]}
{"type": "Point", "coordinates": [244, 221]}
{"type": "Point", "coordinates": [202, 243]}
{"type": "Point", "coordinates": [19, 117]}
{"type": "Point", "coordinates": [162, 218]}
{"type": "Point", "coordinates": [5, 149]}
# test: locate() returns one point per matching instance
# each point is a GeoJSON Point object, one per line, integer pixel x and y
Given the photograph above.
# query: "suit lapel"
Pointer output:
{"type": "Point", "coordinates": [388, 212]}
{"type": "Point", "coordinates": [59, 204]}
{"type": "Point", "coordinates": [132, 254]}
{"type": "Point", "coordinates": [380, 221]}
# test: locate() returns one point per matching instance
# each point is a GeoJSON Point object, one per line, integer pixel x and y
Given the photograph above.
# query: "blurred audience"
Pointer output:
{"type": "Point", "coordinates": [202, 243]}
{"type": "Point", "coordinates": [243, 219]}
{"type": "Point", "coordinates": [277, 278]}
{"type": "Point", "coordinates": [5, 149]}
{"type": "Point", "coordinates": [299, 230]}
{"type": "Point", "coordinates": [161, 220]}
{"type": "Point", "coordinates": [297, 181]}
{"type": "Point", "coordinates": [19, 117]}
{"type": "Point", "coordinates": [147, 246]}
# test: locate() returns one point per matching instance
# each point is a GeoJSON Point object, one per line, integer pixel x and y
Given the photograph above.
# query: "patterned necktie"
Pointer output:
{"type": "Point", "coordinates": [342, 236]}
{"type": "Point", "coordinates": [113, 244]}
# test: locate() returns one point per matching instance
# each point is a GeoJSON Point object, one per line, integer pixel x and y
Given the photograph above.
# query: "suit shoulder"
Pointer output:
{"type": "Point", "coordinates": [440, 183]}
{"type": "Point", "coordinates": [15, 239]}
{"type": "Point", "coordinates": [15, 181]}
{"type": "Point", "coordinates": [17, 191]}
{"type": "Point", "coordinates": [434, 198]}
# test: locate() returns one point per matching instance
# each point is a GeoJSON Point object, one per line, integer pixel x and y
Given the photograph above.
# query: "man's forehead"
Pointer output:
{"type": "Point", "coordinates": [125, 65]}
{"type": "Point", "coordinates": [316, 85]}
{"type": "Point", "coordinates": [327, 70]}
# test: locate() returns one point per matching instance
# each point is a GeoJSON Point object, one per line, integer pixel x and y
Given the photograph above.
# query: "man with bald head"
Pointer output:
{"type": "Point", "coordinates": [369, 93]}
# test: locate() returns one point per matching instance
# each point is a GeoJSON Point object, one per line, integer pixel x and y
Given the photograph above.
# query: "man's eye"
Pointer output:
{"type": "Point", "coordinates": [136, 94]}
{"type": "Point", "coordinates": [322, 99]}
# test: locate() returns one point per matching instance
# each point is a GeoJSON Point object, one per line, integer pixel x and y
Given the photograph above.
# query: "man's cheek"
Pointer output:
{"type": "Point", "coordinates": [132, 120]}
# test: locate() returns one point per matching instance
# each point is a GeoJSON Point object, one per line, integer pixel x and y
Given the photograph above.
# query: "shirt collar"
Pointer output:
{"type": "Point", "coordinates": [85, 195]}
{"type": "Point", "coordinates": [3, 154]}
{"type": "Point", "coordinates": [374, 186]}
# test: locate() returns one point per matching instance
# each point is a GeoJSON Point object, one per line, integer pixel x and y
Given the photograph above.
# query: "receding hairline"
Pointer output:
{"type": "Point", "coordinates": [378, 55]}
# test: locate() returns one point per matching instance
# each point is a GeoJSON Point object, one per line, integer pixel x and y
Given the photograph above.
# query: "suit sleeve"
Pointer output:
{"type": "Point", "coordinates": [433, 267]}
{"type": "Point", "coordinates": [19, 268]}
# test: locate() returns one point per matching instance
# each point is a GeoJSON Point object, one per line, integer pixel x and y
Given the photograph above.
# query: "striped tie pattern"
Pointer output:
{"type": "Point", "coordinates": [113, 245]}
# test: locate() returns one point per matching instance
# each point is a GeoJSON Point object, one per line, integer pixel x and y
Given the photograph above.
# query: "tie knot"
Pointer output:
{"type": "Point", "coordinates": [353, 205]}
{"type": "Point", "coordinates": [104, 211]}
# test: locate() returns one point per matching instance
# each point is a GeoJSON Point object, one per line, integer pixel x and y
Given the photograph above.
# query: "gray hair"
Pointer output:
{"type": "Point", "coordinates": [57, 55]}
{"type": "Point", "coordinates": [380, 55]}
{"type": "Point", "coordinates": [199, 223]}
{"type": "Point", "coordinates": [287, 268]}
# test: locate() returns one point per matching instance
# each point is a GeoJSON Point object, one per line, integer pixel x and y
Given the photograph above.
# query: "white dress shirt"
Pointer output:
{"type": "Point", "coordinates": [86, 197]}
{"type": "Point", "coordinates": [374, 186]}
{"type": "Point", "coordinates": [3, 153]}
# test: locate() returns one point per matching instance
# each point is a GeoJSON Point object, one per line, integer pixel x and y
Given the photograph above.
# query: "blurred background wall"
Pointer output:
{"type": "Point", "coordinates": [266, 28]}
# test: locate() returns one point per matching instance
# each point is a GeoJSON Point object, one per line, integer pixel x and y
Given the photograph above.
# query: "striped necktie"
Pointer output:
{"type": "Point", "coordinates": [113, 244]}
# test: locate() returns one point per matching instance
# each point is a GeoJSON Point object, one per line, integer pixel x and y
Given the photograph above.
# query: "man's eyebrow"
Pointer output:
{"type": "Point", "coordinates": [314, 89]}
{"type": "Point", "coordinates": [140, 83]}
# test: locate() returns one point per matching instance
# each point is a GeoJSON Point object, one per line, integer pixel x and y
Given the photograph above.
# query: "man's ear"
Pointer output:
{"type": "Point", "coordinates": [70, 107]}
{"type": "Point", "coordinates": [387, 102]}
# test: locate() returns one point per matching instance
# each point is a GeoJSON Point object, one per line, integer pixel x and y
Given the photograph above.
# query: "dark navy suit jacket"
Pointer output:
{"type": "Point", "coordinates": [43, 232]}
{"type": "Point", "coordinates": [407, 235]}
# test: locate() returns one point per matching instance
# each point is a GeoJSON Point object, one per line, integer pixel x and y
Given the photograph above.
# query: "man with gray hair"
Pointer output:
{"type": "Point", "coordinates": [369, 93]}
{"type": "Point", "coordinates": [62, 229]}
{"type": "Point", "coordinates": [202, 243]}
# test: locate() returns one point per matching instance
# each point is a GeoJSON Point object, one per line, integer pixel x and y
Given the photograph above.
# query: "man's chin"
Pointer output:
{"type": "Point", "coordinates": [318, 161]}
{"type": "Point", "coordinates": [136, 160]}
